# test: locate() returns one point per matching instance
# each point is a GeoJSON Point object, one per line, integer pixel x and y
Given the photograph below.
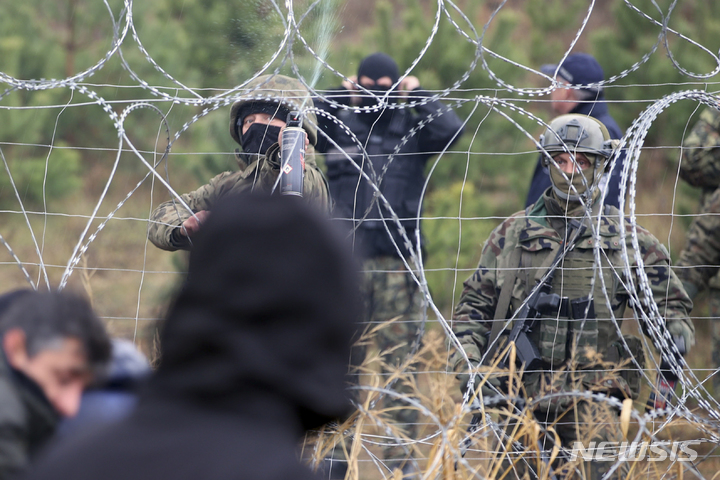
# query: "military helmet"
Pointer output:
{"type": "Point", "coordinates": [288, 92]}
{"type": "Point", "coordinates": [577, 133]}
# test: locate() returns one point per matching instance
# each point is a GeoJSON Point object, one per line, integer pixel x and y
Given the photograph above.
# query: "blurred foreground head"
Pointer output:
{"type": "Point", "coordinates": [269, 306]}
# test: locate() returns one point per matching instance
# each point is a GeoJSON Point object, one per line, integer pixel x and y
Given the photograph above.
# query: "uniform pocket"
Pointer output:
{"type": "Point", "coordinates": [553, 340]}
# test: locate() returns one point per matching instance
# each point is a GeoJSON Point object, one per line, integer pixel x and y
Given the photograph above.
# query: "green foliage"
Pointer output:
{"type": "Point", "coordinates": [553, 21]}
{"type": "Point", "coordinates": [222, 43]}
{"type": "Point", "coordinates": [618, 49]}
{"type": "Point", "coordinates": [39, 179]}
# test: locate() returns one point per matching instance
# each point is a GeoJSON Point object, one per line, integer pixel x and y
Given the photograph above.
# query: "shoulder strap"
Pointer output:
{"type": "Point", "coordinates": [508, 282]}
{"type": "Point", "coordinates": [504, 300]}
{"type": "Point", "coordinates": [509, 278]}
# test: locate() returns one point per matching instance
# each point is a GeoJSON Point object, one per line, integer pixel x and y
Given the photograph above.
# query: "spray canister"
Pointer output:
{"type": "Point", "coordinates": [292, 156]}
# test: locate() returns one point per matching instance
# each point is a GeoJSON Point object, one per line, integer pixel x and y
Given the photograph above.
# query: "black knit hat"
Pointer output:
{"type": "Point", "coordinates": [379, 65]}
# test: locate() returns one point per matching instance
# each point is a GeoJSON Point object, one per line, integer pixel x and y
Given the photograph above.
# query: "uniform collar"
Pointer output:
{"type": "Point", "coordinates": [537, 224]}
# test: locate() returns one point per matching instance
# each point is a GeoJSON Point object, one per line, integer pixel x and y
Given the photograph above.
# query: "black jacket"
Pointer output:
{"type": "Point", "coordinates": [27, 419]}
{"type": "Point", "coordinates": [255, 352]}
{"type": "Point", "coordinates": [397, 155]}
{"type": "Point", "coordinates": [541, 177]}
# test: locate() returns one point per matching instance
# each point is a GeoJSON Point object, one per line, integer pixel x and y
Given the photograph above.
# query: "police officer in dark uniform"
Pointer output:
{"type": "Point", "coordinates": [579, 92]}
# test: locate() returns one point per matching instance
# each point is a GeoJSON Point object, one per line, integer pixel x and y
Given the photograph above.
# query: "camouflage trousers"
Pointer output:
{"type": "Point", "coordinates": [390, 293]}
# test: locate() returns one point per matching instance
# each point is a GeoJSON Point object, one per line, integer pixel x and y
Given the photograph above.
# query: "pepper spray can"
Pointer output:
{"type": "Point", "coordinates": [292, 156]}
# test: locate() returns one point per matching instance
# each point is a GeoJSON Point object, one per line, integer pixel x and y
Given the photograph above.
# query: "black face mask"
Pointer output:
{"type": "Point", "coordinates": [259, 137]}
{"type": "Point", "coordinates": [368, 101]}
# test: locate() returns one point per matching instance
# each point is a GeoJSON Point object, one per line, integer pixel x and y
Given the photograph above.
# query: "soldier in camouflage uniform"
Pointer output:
{"type": "Point", "coordinates": [255, 123]}
{"type": "Point", "coordinates": [571, 342]}
{"type": "Point", "coordinates": [700, 259]}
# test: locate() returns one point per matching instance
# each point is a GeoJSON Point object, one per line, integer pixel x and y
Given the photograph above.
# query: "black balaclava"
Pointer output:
{"type": "Point", "coordinates": [268, 309]}
{"type": "Point", "coordinates": [376, 66]}
{"type": "Point", "coordinates": [259, 137]}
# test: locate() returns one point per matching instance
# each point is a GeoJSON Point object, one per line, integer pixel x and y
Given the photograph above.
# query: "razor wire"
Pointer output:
{"type": "Point", "coordinates": [292, 15]}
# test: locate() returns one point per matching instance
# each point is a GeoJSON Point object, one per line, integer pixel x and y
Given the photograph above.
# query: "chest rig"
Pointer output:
{"type": "Point", "coordinates": [576, 325]}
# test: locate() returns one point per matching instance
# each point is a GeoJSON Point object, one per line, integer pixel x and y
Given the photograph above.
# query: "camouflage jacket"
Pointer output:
{"type": "Point", "coordinates": [699, 261]}
{"type": "Point", "coordinates": [700, 164]}
{"type": "Point", "coordinates": [535, 233]}
{"type": "Point", "coordinates": [166, 219]}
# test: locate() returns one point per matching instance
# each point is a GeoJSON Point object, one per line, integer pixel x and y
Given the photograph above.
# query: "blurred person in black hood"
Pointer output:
{"type": "Point", "coordinates": [255, 353]}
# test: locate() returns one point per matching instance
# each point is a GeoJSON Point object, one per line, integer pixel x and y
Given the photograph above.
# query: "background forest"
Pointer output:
{"type": "Point", "coordinates": [211, 46]}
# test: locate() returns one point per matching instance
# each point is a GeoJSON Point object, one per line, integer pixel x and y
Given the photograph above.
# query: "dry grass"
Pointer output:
{"type": "Point", "coordinates": [129, 280]}
{"type": "Point", "coordinates": [444, 423]}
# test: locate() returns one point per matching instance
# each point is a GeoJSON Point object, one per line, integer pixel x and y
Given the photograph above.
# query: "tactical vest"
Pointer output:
{"type": "Point", "coordinates": [573, 331]}
{"type": "Point", "coordinates": [400, 179]}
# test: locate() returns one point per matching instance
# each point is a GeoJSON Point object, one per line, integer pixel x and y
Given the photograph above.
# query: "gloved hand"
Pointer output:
{"type": "Point", "coordinates": [489, 387]}
{"type": "Point", "coordinates": [680, 328]}
{"type": "Point", "coordinates": [676, 329]}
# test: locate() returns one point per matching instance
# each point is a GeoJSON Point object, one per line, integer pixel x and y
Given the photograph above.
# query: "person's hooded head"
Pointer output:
{"type": "Point", "coordinates": [257, 118]}
{"type": "Point", "coordinates": [268, 310]}
{"type": "Point", "coordinates": [377, 73]}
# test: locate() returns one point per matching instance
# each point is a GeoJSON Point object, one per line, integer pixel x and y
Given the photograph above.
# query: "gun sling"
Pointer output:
{"type": "Point", "coordinates": [503, 304]}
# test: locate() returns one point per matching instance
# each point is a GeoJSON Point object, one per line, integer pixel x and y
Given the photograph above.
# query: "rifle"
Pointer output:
{"type": "Point", "coordinates": [664, 389]}
{"type": "Point", "coordinates": [540, 302]}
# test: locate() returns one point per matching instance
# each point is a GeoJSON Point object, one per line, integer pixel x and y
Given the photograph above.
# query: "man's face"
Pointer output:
{"type": "Point", "coordinates": [61, 370]}
{"type": "Point", "coordinates": [262, 118]}
{"type": "Point", "coordinates": [563, 100]}
{"type": "Point", "coordinates": [569, 166]}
